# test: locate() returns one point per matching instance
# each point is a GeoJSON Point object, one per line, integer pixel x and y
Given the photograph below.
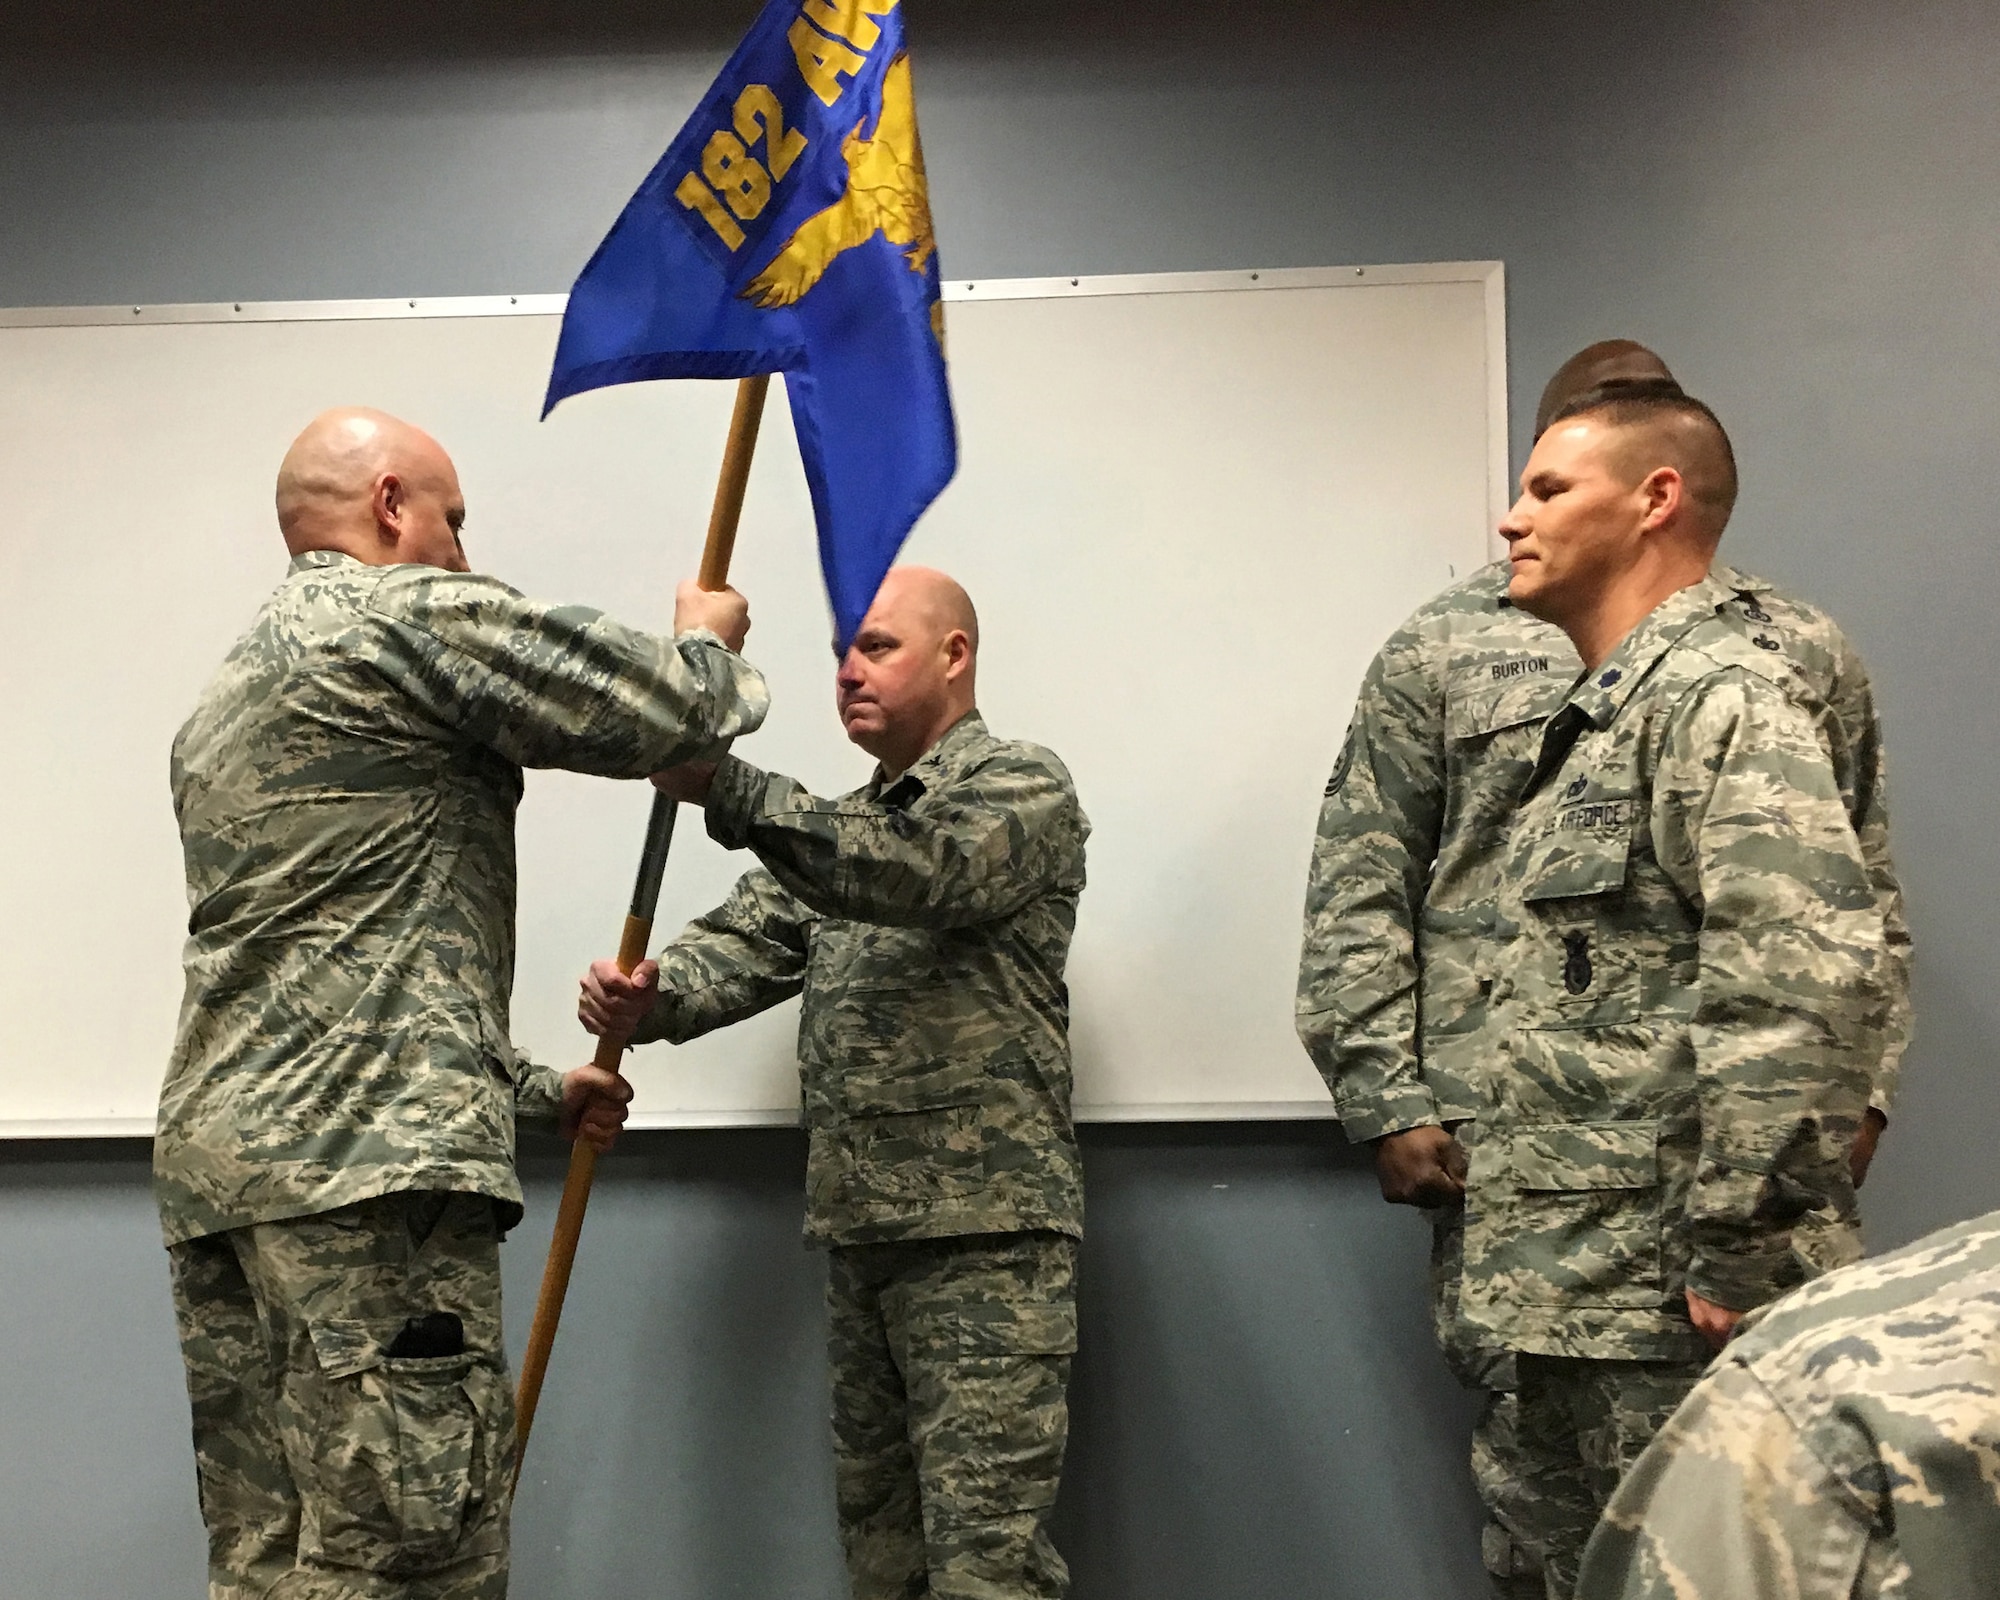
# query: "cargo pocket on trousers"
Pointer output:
{"type": "Point", "coordinates": [1012, 1413]}
{"type": "Point", "coordinates": [1590, 1223]}
{"type": "Point", "coordinates": [407, 1454]}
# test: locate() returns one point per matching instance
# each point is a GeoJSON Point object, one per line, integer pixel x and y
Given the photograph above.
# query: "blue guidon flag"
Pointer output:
{"type": "Point", "coordinates": [788, 229]}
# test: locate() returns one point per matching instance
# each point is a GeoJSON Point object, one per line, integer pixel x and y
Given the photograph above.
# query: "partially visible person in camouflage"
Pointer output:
{"type": "Point", "coordinates": [1842, 1448]}
{"type": "Point", "coordinates": [335, 1157]}
{"type": "Point", "coordinates": [1397, 957]}
{"type": "Point", "coordinates": [1690, 974]}
{"type": "Point", "coordinates": [927, 917]}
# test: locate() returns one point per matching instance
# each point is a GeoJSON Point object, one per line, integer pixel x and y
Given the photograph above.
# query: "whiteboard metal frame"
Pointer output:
{"type": "Point", "coordinates": [1491, 274]}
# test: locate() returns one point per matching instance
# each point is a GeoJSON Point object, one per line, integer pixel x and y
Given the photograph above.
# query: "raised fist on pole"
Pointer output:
{"type": "Point", "coordinates": [724, 612]}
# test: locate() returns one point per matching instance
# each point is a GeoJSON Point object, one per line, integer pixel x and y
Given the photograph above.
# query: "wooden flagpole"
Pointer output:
{"type": "Point", "coordinates": [638, 932]}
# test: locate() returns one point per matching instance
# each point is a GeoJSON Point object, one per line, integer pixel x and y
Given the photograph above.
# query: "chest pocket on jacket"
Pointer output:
{"type": "Point", "coordinates": [900, 1027]}
{"type": "Point", "coordinates": [1575, 891]}
{"type": "Point", "coordinates": [1477, 705]}
{"type": "Point", "coordinates": [1495, 731]}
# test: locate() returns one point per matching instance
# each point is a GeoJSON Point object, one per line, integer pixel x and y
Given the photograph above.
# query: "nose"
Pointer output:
{"type": "Point", "coordinates": [848, 674]}
{"type": "Point", "coordinates": [1515, 524]}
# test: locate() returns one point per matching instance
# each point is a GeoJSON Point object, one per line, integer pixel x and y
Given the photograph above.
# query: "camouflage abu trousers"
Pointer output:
{"type": "Point", "coordinates": [353, 1418]}
{"type": "Point", "coordinates": [1557, 1446]}
{"type": "Point", "coordinates": [1823, 1240]}
{"type": "Point", "coordinates": [951, 1363]}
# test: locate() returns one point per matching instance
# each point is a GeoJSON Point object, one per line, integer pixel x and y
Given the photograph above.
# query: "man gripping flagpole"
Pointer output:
{"type": "Point", "coordinates": [786, 229]}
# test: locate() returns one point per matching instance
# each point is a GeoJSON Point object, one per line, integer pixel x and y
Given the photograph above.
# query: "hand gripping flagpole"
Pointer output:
{"type": "Point", "coordinates": [638, 928]}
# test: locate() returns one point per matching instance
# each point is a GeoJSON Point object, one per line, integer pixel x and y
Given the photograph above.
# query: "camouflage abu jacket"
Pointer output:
{"type": "Point", "coordinates": [1841, 1448]}
{"type": "Point", "coordinates": [1691, 984]}
{"type": "Point", "coordinates": [1397, 958]}
{"type": "Point", "coordinates": [346, 791]}
{"type": "Point", "coordinates": [928, 923]}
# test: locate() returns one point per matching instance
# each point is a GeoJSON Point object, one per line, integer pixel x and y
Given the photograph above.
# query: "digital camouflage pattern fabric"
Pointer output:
{"type": "Point", "coordinates": [1398, 961]}
{"type": "Point", "coordinates": [346, 791]}
{"type": "Point", "coordinates": [1577, 1427]}
{"type": "Point", "coordinates": [928, 922]}
{"type": "Point", "coordinates": [951, 1362]}
{"type": "Point", "coordinates": [353, 1415]}
{"type": "Point", "coordinates": [1841, 1448]}
{"type": "Point", "coordinates": [1691, 978]}
{"type": "Point", "coordinates": [1398, 958]}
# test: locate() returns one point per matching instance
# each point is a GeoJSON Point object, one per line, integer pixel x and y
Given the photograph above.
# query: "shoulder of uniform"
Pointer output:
{"type": "Point", "coordinates": [1947, 1273]}
{"type": "Point", "coordinates": [1724, 643]}
{"type": "Point", "coordinates": [994, 757]}
{"type": "Point", "coordinates": [1475, 595]}
{"type": "Point", "coordinates": [1468, 623]}
{"type": "Point", "coordinates": [426, 596]}
{"type": "Point", "coordinates": [1461, 605]}
{"type": "Point", "coordinates": [1759, 601]}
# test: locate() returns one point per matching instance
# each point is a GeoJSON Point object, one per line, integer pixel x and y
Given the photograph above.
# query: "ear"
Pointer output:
{"type": "Point", "coordinates": [1664, 494]}
{"type": "Point", "coordinates": [390, 504]}
{"type": "Point", "coordinates": [957, 655]}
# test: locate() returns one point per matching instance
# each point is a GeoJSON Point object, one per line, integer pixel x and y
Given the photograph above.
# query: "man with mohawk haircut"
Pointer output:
{"type": "Point", "coordinates": [1398, 960]}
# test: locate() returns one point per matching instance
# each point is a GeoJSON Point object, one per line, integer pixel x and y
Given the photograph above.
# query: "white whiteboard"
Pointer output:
{"type": "Point", "coordinates": [1190, 508]}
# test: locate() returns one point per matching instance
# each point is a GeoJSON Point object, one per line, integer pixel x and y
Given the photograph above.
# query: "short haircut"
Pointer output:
{"type": "Point", "coordinates": [1681, 432]}
{"type": "Point", "coordinates": [1607, 363]}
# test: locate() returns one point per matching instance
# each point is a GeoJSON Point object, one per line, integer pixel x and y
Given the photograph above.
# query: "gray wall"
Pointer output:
{"type": "Point", "coordinates": [1793, 199]}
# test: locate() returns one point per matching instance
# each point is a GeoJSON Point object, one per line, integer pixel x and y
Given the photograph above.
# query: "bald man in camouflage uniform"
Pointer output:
{"type": "Point", "coordinates": [1842, 1448]}
{"type": "Point", "coordinates": [335, 1155]}
{"type": "Point", "coordinates": [1398, 961]}
{"type": "Point", "coordinates": [927, 918]}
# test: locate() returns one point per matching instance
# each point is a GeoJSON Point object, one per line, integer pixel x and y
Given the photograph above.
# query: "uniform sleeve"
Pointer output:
{"type": "Point", "coordinates": [1728, 1501]}
{"type": "Point", "coordinates": [1372, 855]}
{"type": "Point", "coordinates": [537, 1093]}
{"type": "Point", "coordinates": [1862, 769]}
{"type": "Point", "coordinates": [1748, 821]}
{"type": "Point", "coordinates": [557, 686]}
{"type": "Point", "coordinates": [1011, 831]}
{"type": "Point", "coordinates": [745, 956]}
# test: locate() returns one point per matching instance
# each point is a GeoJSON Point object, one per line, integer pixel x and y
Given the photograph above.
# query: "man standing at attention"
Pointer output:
{"type": "Point", "coordinates": [335, 1156]}
{"type": "Point", "coordinates": [1398, 961]}
{"type": "Point", "coordinates": [1691, 978]}
{"type": "Point", "coordinates": [927, 917]}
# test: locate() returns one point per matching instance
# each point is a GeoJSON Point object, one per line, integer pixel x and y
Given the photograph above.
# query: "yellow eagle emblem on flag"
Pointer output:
{"type": "Point", "coordinates": [886, 194]}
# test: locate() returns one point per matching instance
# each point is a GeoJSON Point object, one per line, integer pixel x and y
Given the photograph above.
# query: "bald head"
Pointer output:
{"type": "Point", "coordinates": [908, 677]}
{"type": "Point", "coordinates": [930, 599]}
{"type": "Point", "coordinates": [371, 486]}
{"type": "Point", "coordinates": [1607, 365]}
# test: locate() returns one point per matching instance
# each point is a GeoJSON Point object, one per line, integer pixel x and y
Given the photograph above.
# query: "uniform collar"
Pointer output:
{"type": "Point", "coordinates": [1600, 694]}
{"type": "Point", "coordinates": [321, 558]}
{"type": "Point", "coordinates": [1740, 583]}
{"type": "Point", "coordinates": [933, 764]}
{"type": "Point", "coordinates": [1744, 585]}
